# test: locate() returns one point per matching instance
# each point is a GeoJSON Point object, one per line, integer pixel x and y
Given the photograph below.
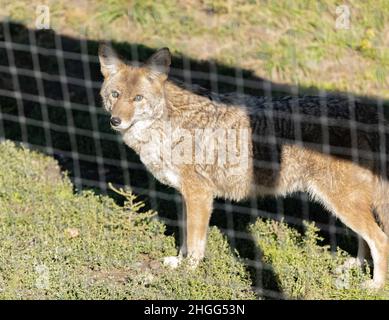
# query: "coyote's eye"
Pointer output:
{"type": "Point", "coordinates": [138, 97]}
{"type": "Point", "coordinates": [115, 94]}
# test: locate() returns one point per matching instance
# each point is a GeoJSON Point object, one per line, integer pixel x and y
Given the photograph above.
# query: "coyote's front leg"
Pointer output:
{"type": "Point", "coordinates": [198, 208]}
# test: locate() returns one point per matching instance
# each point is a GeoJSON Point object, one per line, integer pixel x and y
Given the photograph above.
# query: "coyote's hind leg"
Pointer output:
{"type": "Point", "coordinates": [362, 256]}
{"type": "Point", "coordinates": [362, 221]}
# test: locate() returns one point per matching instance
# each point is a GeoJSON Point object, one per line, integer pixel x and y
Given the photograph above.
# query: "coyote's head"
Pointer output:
{"type": "Point", "coordinates": [133, 92]}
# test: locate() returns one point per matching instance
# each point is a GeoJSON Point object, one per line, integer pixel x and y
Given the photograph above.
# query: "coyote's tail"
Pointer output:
{"type": "Point", "coordinates": [381, 204]}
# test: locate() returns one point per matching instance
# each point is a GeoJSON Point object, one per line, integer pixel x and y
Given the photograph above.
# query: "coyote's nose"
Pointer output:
{"type": "Point", "coordinates": [115, 121]}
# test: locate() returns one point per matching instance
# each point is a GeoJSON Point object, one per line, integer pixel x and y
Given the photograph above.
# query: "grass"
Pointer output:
{"type": "Point", "coordinates": [284, 41]}
{"type": "Point", "coordinates": [61, 245]}
{"type": "Point", "coordinates": [306, 269]}
{"type": "Point", "coordinates": [57, 244]}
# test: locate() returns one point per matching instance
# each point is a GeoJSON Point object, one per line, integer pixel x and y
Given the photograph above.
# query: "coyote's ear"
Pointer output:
{"type": "Point", "coordinates": [159, 64]}
{"type": "Point", "coordinates": [110, 63]}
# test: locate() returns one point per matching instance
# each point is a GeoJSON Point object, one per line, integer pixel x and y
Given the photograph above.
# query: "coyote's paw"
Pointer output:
{"type": "Point", "coordinates": [352, 263]}
{"type": "Point", "coordinates": [172, 262]}
{"type": "Point", "coordinates": [349, 264]}
{"type": "Point", "coordinates": [372, 285]}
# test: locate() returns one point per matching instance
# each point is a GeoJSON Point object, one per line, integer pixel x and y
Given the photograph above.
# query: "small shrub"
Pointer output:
{"type": "Point", "coordinates": [306, 270]}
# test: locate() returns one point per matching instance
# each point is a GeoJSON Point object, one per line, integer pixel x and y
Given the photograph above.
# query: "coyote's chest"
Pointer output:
{"type": "Point", "coordinates": [158, 163]}
{"type": "Point", "coordinates": [153, 147]}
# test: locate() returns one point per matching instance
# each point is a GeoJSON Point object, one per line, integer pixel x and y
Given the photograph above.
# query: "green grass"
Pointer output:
{"type": "Point", "coordinates": [285, 41]}
{"type": "Point", "coordinates": [305, 269]}
{"type": "Point", "coordinates": [57, 244]}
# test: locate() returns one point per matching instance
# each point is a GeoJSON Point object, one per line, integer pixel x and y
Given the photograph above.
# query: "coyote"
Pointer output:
{"type": "Point", "coordinates": [235, 146]}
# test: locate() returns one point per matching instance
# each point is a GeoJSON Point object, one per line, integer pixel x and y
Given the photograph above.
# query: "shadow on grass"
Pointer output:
{"type": "Point", "coordinates": [55, 87]}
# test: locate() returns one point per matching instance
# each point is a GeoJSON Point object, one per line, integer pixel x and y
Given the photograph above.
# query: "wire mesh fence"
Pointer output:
{"type": "Point", "coordinates": [49, 99]}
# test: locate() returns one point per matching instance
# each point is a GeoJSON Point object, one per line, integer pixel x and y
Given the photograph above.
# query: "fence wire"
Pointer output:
{"type": "Point", "coordinates": [49, 100]}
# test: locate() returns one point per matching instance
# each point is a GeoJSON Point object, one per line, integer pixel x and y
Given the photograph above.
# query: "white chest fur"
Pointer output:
{"type": "Point", "coordinates": [148, 142]}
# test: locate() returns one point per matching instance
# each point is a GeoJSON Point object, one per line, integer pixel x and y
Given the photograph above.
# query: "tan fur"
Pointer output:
{"type": "Point", "coordinates": [276, 164]}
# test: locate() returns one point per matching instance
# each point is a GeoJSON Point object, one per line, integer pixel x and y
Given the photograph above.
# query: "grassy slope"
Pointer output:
{"type": "Point", "coordinates": [57, 244]}
{"type": "Point", "coordinates": [285, 41]}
